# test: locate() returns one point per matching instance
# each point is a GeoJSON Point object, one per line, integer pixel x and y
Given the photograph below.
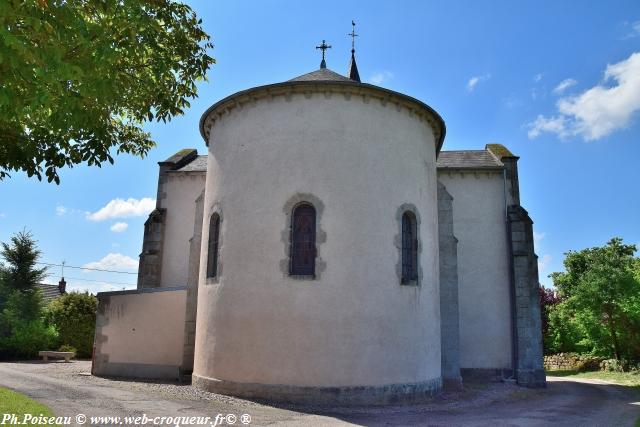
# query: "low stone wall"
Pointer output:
{"type": "Point", "coordinates": [571, 362]}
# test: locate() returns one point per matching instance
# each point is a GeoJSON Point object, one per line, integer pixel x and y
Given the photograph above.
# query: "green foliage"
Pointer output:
{"type": "Point", "coordinates": [22, 331]}
{"type": "Point", "coordinates": [78, 78]}
{"type": "Point", "coordinates": [65, 347]}
{"type": "Point", "coordinates": [600, 308]}
{"type": "Point", "coordinates": [27, 338]}
{"type": "Point", "coordinates": [20, 272]}
{"type": "Point", "coordinates": [74, 316]}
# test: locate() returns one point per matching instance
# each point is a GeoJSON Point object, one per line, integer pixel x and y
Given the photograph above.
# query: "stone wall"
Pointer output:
{"type": "Point", "coordinates": [571, 362]}
{"type": "Point", "coordinates": [151, 257]}
{"type": "Point", "coordinates": [449, 314]}
{"type": "Point", "coordinates": [528, 324]}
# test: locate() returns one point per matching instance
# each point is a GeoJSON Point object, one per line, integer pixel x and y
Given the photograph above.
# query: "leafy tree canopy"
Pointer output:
{"type": "Point", "coordinates": [78, 78]}
{"type": "Point", "coordinates": [600, 307]}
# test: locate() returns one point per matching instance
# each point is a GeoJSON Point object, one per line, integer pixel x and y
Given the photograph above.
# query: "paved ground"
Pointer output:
{"type": "Point", "coordinates": [69, 390]}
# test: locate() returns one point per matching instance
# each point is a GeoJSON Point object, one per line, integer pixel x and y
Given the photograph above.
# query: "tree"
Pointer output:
{"type": "Point", "coordinates": [548, 300]}
{"type": "Point", "coordinates": [601, 294]}
{"type": "Point", "coordinates": [79, 78]}
{"type": "Point", "coordinates": [22, 331]}
{"type": "Point", "coordinates": [21, 256]}
{"type": "Point", "coordinates": [74, 316]}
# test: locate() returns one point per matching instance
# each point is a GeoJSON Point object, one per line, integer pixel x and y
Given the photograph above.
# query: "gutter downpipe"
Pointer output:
{"type": "Point", "coordinates": [512, 288]}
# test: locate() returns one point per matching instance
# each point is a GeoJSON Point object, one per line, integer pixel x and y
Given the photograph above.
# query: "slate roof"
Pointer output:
{"type": "Point", "coordinates": [323, 74]}
{"type": "Point", "coordinates": [468, 159]}
{"type": "Point", "coordinates": [463, 159]}
{"type": "Point", "coordinates": [49, 292]}
{"type": "Point", "coordinates": [199, 164]}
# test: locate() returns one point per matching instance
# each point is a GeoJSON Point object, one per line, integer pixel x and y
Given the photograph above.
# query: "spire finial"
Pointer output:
{"type": "Point", "coordinates": [353, 36]}
{"type": "Point", "coordinates": [324, 46]}
{"type": "Point", "coordinates": [353, 68]}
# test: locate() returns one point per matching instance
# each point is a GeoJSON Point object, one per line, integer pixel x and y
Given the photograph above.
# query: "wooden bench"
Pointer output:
{"type": "Point", "coordinates": [66, 355]}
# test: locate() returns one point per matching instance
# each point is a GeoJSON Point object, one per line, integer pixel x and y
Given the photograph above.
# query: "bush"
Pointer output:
{"type": "Point", "coordinates": [27, 338]}
{"type": "Point", "coordinates": [74, 316]}
{"type": "Point", "coordinates": [65, 347]}
{"type": "Point", "coordinates": [22, 331]}
{"type": "Point", "coordinates": [613, 365]}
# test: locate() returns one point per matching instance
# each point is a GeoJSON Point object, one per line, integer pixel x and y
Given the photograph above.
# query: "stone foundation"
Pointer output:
{"type": "Point", "coordinates": [362, 395]}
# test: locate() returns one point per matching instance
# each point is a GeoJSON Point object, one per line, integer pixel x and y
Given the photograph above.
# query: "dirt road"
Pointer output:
{"type": "Point", "coordinates": [70, 391]}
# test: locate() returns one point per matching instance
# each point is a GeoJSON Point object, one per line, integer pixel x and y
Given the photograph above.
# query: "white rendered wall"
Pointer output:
{"type": "Point", "coordinates": [140, 334]}
{"type": "Point", "coordinates": [181, 191]}
{"type": "Point", "coordinates": [483, 269]}
{"type": "Point", "coordinates": [355, 325]}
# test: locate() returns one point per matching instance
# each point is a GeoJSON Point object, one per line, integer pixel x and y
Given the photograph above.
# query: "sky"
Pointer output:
{"type": "Point", "coordinates": [558, 83]}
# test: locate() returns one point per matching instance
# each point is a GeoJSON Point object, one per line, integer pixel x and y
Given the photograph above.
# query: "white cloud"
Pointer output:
{"type": "Point", "coordinates": [537, 237]}
{"type": "Point", "coordinates": [512, 101]}
{"type": "Point", "coordinates": [61, 210]}
{"type": "Point", "coordinates": [541, 124]}
{"type": "Point", "coordinates": [473, 81]}
{"type": "Point", "coordinates": [537, 77]}
{"type": "Point", "coordinates": [114, 261]}
{"type": "Point", "coordinates": [600, 110]}
{"type": "Point", "coordinates": [119, 208]}
{"type": "Point", "coordinates": [381, 77]}
{"type": "Point", "coordinates": [119, 227]}
{"type": "Point", "coordinates": [564, 85]}
{"type": "Point", "coordinates": [3, 215]}
{"type": "Point", "coordinates": [634, 31]}
{"type": "Point", "coordinates": [74, 285]}
{"type": "Point", "coordinates": [543, 262]}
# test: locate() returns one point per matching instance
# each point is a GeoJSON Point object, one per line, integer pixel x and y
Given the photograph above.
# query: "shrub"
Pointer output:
{"type": "Point", "coordinates": [27, 338]}
{"type": "Point", "coordinates": [65, 347]}
{"type": "Point", "coordinates": [74, 316]}
{"type": "Point", "coordinates": [612, 365]}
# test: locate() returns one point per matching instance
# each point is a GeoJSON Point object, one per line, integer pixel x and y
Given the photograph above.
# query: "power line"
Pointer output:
{"type": "Point", "coordinates": [86, 268]}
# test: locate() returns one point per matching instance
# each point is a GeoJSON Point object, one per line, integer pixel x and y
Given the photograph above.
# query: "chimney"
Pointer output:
{"type": "Point", "coordinates": [62, 286]}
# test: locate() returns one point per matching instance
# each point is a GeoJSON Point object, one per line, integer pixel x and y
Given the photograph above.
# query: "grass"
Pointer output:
{"type": "Point", "coordinates": [630, 379]}
{"type": "Point", "coordinates": [22, 406]}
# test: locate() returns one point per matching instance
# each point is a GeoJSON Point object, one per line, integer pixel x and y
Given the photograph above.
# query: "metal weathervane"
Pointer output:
{"type": "Point", "coordinates": [353, 36]}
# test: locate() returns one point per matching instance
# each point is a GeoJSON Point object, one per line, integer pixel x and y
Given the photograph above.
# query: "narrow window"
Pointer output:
{"type": "Point", "coordinates": [214, 234]}
{"type": "Point", "coordinates": [303, 241]}
{"type": "Point", "coordinates": [409, 248]}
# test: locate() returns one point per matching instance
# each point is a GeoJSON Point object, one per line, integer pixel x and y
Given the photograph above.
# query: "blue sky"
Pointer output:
{"type": "Point", "coordinates": [558, 83]}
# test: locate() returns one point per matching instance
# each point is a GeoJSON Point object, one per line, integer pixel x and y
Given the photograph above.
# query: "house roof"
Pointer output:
{"type": "Point", "coordinates": [468, 159]}
{"type": "Point", "coordinates": [49, 292]}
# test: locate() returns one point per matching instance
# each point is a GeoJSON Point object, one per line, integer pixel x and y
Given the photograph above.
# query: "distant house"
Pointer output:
{"type": "Point", "coordinates": [51, 292]}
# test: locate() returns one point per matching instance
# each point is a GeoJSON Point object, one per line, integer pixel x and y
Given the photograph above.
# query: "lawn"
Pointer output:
{"type": "Point", "coordinates": [631, 379]}
{"type": "Point", "coordinates": [25, 409]}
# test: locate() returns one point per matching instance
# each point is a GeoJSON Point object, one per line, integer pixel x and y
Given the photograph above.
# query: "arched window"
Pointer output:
{"type": "Point", "coordinates": [409, 248]}
{"type": "Point", "coordinates": [212, 255]}
{"type": "Point", "coordinates": [303, 240]}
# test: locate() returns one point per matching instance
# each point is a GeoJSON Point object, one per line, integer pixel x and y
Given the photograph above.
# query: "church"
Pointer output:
{"type": "Point", "coordinates": [328, 249]}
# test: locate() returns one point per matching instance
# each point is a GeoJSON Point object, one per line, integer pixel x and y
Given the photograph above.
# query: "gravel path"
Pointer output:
{"type": "Point", "coordinates": [69, 390]}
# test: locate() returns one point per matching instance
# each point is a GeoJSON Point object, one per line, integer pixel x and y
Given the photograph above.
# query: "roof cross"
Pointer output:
{"type": "Point", "coordinates": [353, 37]}
{"type": "Point", "coordinates": [324, 46]}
